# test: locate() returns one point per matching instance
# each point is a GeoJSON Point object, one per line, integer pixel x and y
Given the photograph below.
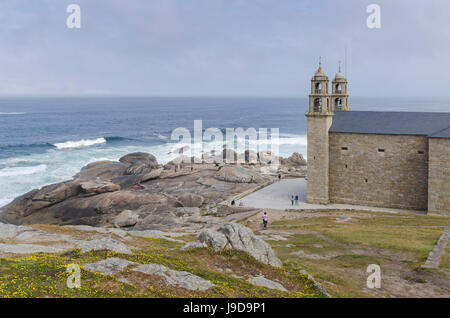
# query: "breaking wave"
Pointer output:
{"type": "Point", "coordinates": [22, 171]}
{"type": "Point", "coordinates": [80, 143]}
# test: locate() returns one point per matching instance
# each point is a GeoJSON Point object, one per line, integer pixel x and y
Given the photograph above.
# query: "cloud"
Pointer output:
{"type": "Point", "coordinates": [221, 47]}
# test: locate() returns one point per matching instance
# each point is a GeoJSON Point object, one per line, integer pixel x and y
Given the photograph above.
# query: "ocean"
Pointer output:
{"type": "Point", "coordinates": [45, 140]}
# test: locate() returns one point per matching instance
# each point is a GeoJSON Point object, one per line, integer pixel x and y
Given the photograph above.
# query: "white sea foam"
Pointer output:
{"type": "Point", "coordinates": [22, 171]}
{"type": "Point", "coordinates": [80, 143]}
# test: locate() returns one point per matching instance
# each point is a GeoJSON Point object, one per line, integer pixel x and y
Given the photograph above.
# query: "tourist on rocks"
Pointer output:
{"type": "Point", "coordinates": [233, 203]}
{"type": "Point", "coordinates": [265, 219]}
{"type": "Point", "coordinates": [296, 200]}
{"type": "Point", "coordinates": [279, 177]}
{"type": "Point", "coordinates": [292, 200]}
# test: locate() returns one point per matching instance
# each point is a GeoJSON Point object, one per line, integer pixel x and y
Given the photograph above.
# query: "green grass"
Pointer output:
{"type": "Point", "coordinates": [400, 240]}
{"type": "Point", "coordinates": [43, 275]}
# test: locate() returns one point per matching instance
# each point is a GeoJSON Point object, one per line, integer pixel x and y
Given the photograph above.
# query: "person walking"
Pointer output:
{"type": "Point", "coordinates": [296, 199]}
{"type": "Point", "coordinates": [265, 219]}
{"type": "Point", "coordinates": [292, 200]}
{"type": "Point", "coordinates": [279, 177]}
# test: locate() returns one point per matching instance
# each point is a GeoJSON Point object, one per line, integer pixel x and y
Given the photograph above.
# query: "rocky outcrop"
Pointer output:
{"type": "Point", "coordinates": [126, 218]}
{"type": "Point", "coordinates": [295, 160]}
{"type": "Point", "coordinates": [104, 170]}
{"type": "Point", "coordinates": [181, 279]}
{"type": "Point", "coordinates": [36, 200]}
{"type": "Point", "coordinates": [105, 243]}
{"type": "Point", "coordinates": [264, 282]}
{"type": "Point", "coordinates": [242, 238]}
{"type": "Point", "coordinates": [238, 237]}
{"type": "Point", "coordinates": [98, 187]}
{"type": "Point", "coordinates": [140, 163]}
{"type": "Point", "coordinates": [154, 174]}
{"type": "Point", "coordinates": [213, 239]}
{"type": "Point", "coordinates": [102, 190]}
{"type": "Point", "coordinates": [109, 266]}
{"type": "Point", "coordinates": [190, 200]}
{"type": "Point", "coordinates": [236, 174]}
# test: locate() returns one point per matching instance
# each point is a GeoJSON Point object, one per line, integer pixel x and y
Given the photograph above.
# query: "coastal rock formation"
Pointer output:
{"type": "Point", "coordinates": [242, 238]}
{"type": "Point", "coordinates": [213, 239]}
{"type": "Point", "coordinates": [295, 160]}
{"type": "Point", "coordinates": [36, 200]}
{"type": "Point", "coordinates": [104, 170]}
{"type": "Point", "coordinates": [126, 218]}
{"type": "Point", "coordinates": [190, 200]}
{"type": "Point", "coordinates": [159, 198]}
{"type": "Point", "coordinates": [236, 174]}
{"type": "Point", "coordinates": [141, 163]}
{"type": "Point", "coordinates": [98, 187]}
{"type": "Point", "coordinates": [236, 236]}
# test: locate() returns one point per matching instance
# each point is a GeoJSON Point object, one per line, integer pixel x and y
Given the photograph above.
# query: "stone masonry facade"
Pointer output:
{"type": "Point", "coordinates": [379, 170]}
{"type": "Point", "coordinates": [439, 176]}
{"type": "Point", "coordinates": [318, 156]}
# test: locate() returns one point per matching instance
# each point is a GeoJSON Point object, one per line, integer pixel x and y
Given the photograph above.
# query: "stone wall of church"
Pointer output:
{"type": "Point", "coordinates": [318, 156]}
{"type": "Point", "coordinates": [439, 176]}
{"type": "Point", "coordinates": [379, 170]}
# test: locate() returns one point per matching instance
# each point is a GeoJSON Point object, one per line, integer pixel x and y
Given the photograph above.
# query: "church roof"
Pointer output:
{"type": "Point", "coordinates": [435, 125]}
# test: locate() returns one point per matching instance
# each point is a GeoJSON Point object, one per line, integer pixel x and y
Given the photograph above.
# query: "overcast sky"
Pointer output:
{"type": "Point", "coordinates": [222, 47]}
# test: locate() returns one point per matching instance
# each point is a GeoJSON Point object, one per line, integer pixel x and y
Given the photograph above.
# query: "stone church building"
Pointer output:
{"type": "Point", "coordinates": [381, 159]}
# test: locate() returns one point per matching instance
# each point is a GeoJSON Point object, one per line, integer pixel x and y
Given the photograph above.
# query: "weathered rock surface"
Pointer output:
{"type": "Point", "coordinates": [154, 174]}
{"type": "Point", "coordinates": [181, 279]}
{"type": "Point", "coordinates": [190, 200]}
{"type": "Point", "coordinates": [242, 238]}
{"type": "Point", "coordinates": [104, 170]}
{"type": "Point", "coordinates": [105, 243]}
{"type": "Point", "coordinates": [295, 160]}
{"type": "Point", "coordinates": [264, 282]}
{"type": "Point", "coordinates": [109, 266]}
{"type": "Point", "coordinates": [213, 239]}
{"type": "Point", "coordinates": [238, 174]}
{"type": "Point", "coordinates": [102, 190]}
{"type": "Point", "coordinates": [35, 200]}
{"type": "Point", "coordinates": [98, 187]}
{"type": "Point", "coordinates": [158, 234]}
{"type": "Point", "coordinates": [126, 218]}
{"type": "Point", "coordinates": [192, 245]}
{"type": "Point", "coordinates": [30, 248]}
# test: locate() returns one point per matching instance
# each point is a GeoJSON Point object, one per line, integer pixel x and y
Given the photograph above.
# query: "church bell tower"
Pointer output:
{"type": "Point", "coordinates": [319, 118]}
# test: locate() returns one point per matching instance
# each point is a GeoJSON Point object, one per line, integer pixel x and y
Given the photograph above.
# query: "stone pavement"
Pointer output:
{"type": "Point", "coordinates": [278, 196]}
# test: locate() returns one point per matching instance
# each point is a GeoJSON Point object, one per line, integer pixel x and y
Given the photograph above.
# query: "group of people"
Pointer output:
{"type": "Point", "coordinates": [294, 200]}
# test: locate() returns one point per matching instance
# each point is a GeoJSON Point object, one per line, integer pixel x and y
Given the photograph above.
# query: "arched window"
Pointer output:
{"type": "Point", "coordinates": [318, 88]}
{"type": "Point", "coordinates": [338, 88]}
{"type": "Point", "coordinates": [338, 103]}
{"type": "Point", "coordinates": [318, 105]}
